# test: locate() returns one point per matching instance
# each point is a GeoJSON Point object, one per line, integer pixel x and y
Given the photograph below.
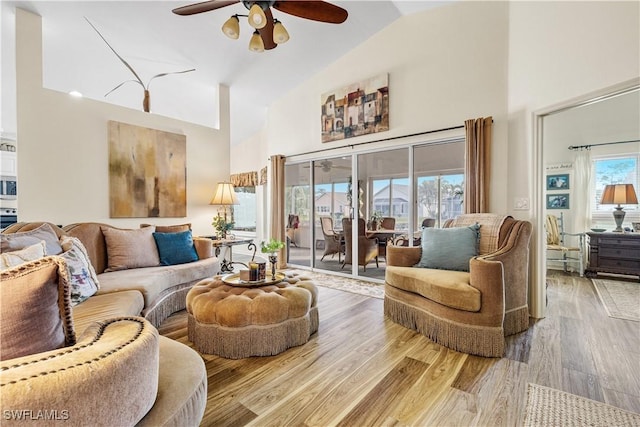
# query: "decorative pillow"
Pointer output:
{"type": "Point", "coordinates": [83, 281]}
{"type": "Point", "coordinates": [30, 253]}
{"type": "Point", "coordinates": [449, 248]}
{"type": "Point", "coordinates": [22, 239]}
{"type": "Point", "coordinates": [35, 308]}
{"type": "Point", "coordinates": [169, 228]}
{"type": "Point", "coordinates": [175, 248]}
{"type": "Point", "coordinates": [130, 248]}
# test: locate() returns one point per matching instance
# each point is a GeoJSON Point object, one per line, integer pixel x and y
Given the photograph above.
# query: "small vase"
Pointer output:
{"type": "Point", "coordinates": [273, 259]}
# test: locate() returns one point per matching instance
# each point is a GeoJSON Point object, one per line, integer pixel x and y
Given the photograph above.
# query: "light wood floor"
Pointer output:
{"type": "Point", "coordinates": [361, 369]}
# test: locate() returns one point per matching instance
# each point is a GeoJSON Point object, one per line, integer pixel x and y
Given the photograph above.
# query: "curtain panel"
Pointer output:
{"type": "Point", "coordinates": [276, 228]}
{"type": "Point", "coordinates": [477, 168]}
{"type": "Point", "coordinates": [245, 179]}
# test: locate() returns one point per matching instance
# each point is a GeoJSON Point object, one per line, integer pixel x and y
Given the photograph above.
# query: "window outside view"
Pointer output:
{"type": "Point", "coordinates": [619, 170]}
{"type": "Point", "coordinates": [245, 213]}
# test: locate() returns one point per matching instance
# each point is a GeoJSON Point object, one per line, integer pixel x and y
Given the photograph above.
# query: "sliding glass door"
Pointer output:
{"type": "Point", "coordinates": [337, 223]}
{"type": "Point", "coordinates": [299, 218]}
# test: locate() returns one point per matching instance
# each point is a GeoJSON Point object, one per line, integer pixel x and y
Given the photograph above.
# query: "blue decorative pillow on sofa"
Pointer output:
{"type": "Point", "coordinates": [175, 248]}
{"type": "Point", "coordinates": [449, 248]}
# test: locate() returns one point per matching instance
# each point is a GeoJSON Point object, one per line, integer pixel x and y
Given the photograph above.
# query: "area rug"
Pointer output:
{"type": "Point", "coordinates": [355, 286]}
{"type": "Point", "coordinates": [620, 299]}
{"type": "Point", "coordinates": [550, 407]}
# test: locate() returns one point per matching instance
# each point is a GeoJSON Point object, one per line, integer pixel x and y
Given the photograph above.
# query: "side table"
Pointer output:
{"type": "Point", "coordinates": [226, 265]}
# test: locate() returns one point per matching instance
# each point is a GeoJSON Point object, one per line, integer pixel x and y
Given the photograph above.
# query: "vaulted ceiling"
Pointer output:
{"type": "Point", "coordinates": [154, 40]}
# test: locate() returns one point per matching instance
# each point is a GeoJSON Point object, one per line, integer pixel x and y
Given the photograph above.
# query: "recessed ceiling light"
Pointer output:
{"type": "Point", "coordinates": [75, 93]}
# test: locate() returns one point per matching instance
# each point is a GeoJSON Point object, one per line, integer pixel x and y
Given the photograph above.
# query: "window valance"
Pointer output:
{"type": "Point", "coordinates": [245, 179]}
{"type": "Point", "coordinates": [263, 176]}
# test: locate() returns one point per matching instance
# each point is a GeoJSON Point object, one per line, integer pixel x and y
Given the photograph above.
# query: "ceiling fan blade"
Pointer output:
{"type": "Point", "coordinates": [314, 10]}
{"type": "Point", "coordinates": [205, 6]}
{"type": "Point", "coordinates": [266, 32]}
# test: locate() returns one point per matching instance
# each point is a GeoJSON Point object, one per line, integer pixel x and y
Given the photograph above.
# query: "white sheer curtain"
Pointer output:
{"type": "Point", "coordinates": [583, 191]}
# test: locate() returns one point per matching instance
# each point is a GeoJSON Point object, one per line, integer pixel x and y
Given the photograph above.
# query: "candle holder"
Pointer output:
{"type": "Point", "coordinates": [273, 259]}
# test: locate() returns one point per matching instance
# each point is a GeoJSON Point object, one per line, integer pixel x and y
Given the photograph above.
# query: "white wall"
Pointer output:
{"type": "Point", "coordinates": [445, 66]}
{"type": "Point", "coordinates": [63, 149]}
{"type": "Point", "coordinates": [559, 51]}
{"type": "Point", "coordinates": [472, 59]}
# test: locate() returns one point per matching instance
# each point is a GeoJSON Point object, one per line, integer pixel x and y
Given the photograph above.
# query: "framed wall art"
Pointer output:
{"type": "Point", "coordinates": [358, 109]}
{"type": "Point", "coordinates": [558, 201]}
{"type": "Point", "coordinates": [147, 172]}
{"type": "Point", "coordinates": [558, 182]}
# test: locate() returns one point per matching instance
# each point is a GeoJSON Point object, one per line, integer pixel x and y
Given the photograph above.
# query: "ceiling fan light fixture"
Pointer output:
{"type": "Point", "coordinates": [256, 44]}
{"type": "Point", "coordinates": [231, 28]}
{"type": "Point", "coordinates": [257, 18]}
{"type": "Point", "coordinates": [280, 34]}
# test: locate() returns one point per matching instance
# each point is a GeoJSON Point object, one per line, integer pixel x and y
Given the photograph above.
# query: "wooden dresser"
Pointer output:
{"type": "Point", "coordinates": [614, 253]}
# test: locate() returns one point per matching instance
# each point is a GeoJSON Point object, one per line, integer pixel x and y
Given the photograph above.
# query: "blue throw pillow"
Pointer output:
{"type": "Point", "coordinates": [449, 248]}
{"type": "Point", "coordinates": [175, 248]}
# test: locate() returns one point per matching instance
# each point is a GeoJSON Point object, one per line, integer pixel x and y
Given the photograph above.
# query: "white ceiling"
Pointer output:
{"type": "Point", "coordinates": [154, 40]}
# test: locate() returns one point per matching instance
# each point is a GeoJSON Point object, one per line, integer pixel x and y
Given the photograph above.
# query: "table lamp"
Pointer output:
{"type": "Point", "coordinates": [225, 196]}
{"type": "Point", "coordinates": [620, 194]}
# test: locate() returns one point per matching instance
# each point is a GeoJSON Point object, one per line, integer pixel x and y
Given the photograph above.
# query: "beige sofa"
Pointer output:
{"type": "Point", "coordinates": [120, 371]}
{"type": "Point", "coordinates": [469, 311]}
{"type": "Point", "coordinates": [159, 291]}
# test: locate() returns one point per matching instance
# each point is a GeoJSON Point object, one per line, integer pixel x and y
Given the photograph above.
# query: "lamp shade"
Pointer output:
{"type": "Point", "coordinates": [225, 195]}
{"type": "Point", "coordinates": [231, 27]}
{"type": "Point", "coordinates": [619, 194]}
{"type": "Point", "coordinates": [256, 44]}
{"type": "Point", "coordinates": [257, 18]}
{"type": "Point", "coordinates": [280, 34]}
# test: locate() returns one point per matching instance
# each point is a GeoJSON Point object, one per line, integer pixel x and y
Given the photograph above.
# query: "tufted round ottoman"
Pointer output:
{"type": "Point", "coordinates": [236, 322]}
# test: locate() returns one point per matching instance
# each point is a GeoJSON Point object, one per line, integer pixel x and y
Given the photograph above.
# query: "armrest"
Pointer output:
{"type": "Point", "coordinates": [204, 247]}
{"type": "Point", "coordinates": [488, 278]}
{"type": "Point", "coordinates": [115, 363]}
{"type": "Point", "coordinates": [514, 256]}
{"type": "Point", "coordinates": [403, 256]}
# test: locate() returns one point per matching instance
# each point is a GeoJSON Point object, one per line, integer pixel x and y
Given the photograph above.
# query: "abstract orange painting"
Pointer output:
{"type": "Point", "coordinates": [147, 172]}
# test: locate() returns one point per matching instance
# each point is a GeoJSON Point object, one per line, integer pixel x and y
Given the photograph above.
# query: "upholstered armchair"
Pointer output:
{"type": "Point", "coordinates": [468, 311]}
{"type": "Point", "coordinates": [367, 248]}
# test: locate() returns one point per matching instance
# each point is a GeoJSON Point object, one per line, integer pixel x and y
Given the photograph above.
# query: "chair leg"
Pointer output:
{"type": "Point", "coordinates": [377, 266]}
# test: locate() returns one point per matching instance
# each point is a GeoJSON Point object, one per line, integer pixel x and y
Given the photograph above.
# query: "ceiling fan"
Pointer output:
{"type": "Point", "coordinates": [268, 31]}
{"type": "Point", "coordinates": [327, 165]}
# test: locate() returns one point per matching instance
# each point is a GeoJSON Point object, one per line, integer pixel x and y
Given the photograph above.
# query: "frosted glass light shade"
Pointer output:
{"type": "Point", "coordinates": [231, 28]}
{"type": "Point", "coordinates": [256, 44]}
{"type": "Point", "coordinates": [280, 34]}
{"type": "Point", "coordinates": [257, 18]}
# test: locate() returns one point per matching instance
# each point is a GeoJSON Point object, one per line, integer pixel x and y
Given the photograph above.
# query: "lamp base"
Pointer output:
{"type": "Point", "coordinates": [618, 216]}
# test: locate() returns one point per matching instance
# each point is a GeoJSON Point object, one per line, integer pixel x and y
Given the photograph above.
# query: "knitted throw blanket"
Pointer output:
{"type": "Point", "coordinates": [489, 229]}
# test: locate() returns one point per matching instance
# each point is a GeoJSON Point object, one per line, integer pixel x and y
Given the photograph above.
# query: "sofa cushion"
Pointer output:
{"type": "Point", "coordinates": [130, 248]}
{"type": "Point", "coordinates": [490, 229]}
{"type": "Point", "coordinates": [151, 282]}
{"type": "Point", "coordinates": [30, 253]}
{"type": "Point", "coordinates": [169, 228]}
{"type": "Point", "coordinates": [450, 288]}
{"type": "Point", "coordinates": [35, 308]}
{"type": "Point", "coordinates": [22, 239]}
{"type": "Point", "coordinates": [83, 281]}
{"type": "Point", "coordinates": [182, 387]}
{"type": "Point", "coordinates": [449, 248]}
{"type": "Point", "coordinates": [175, 248]}
{"type": "Point", "coordinates": [107, 306]}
